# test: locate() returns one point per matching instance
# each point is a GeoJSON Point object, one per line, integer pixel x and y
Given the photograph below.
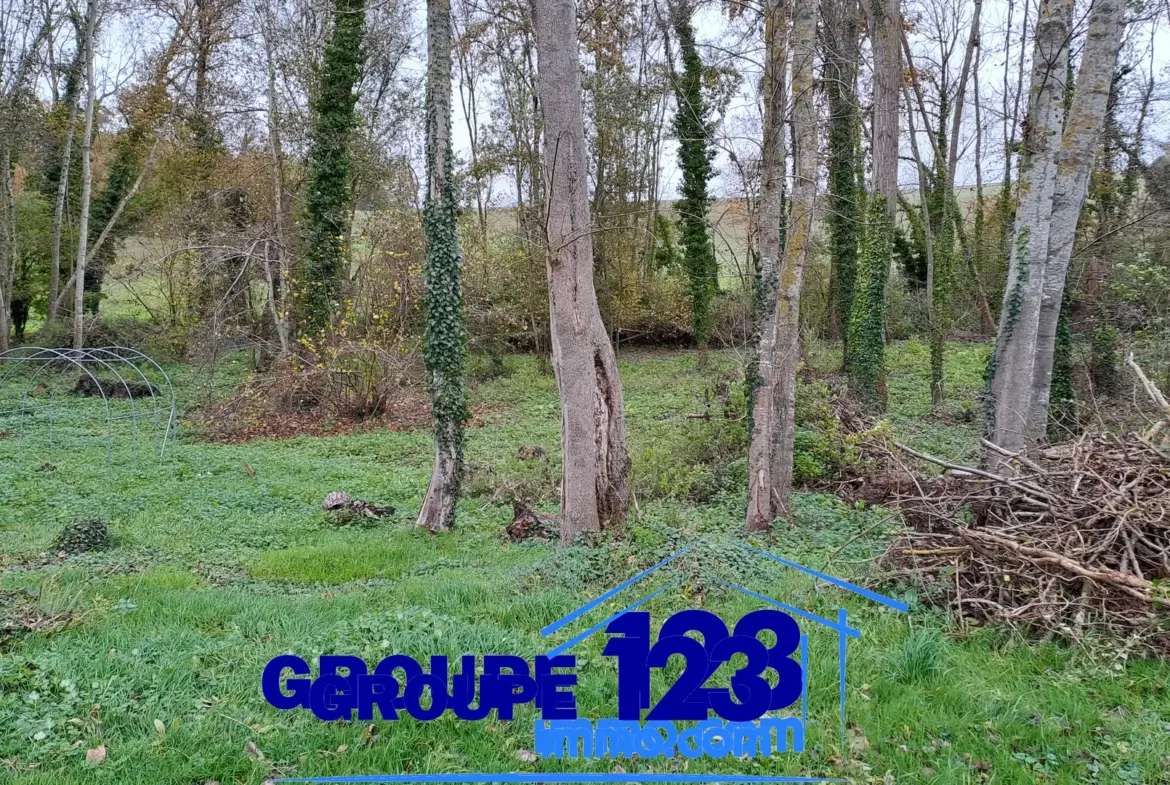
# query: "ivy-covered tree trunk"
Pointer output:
{"type": "Point", "coordinates": [885, 29]}
{"type": "Point", "coordinates": [867, 323]}
{"type": "Point", "coordinates": [777, 439]}
{"type": "Point", "coordinates": [328, 189]}
{"type": "Point", "coordinates": [761, 507]}
{"type": "Point", "coordinates": [941, 215]}
{"type": "Point", "coordinates": [841, 57]}
{"type": "Point", "coordinates": [695, 152]}
{"type": "Point", "coordinates": [595, 461]}
{"type": "Point", "coordinates": [444, 288]}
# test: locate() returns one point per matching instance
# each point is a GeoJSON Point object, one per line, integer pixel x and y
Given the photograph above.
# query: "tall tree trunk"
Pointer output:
{"type": "Point", "coordinates": [693, 128]}
{"type": "Point", "coordinates": [444, 288]}
{"type": "Point", "coordinates": [1017, 341]}
{"type": "Point", "coordinates": [762, 381]}
{"type": "Point", "coordinates": [594, 485]}
{"type": "Point", "coordinates": [59, 205]}
{"type": "Point", "coordinates": [327, 206]}
{"type": "Point", "coordinates": [7, 240]}
{"type": "Point", "coordinates": [866, 336]}
{"type": "Point", "coordinates": [841, 57]}
{"type": "Point", "coordinates": [278, 276]}
{"type": "Point", "coordinates": [91, 13]}
{"type": "Point", "coordinates": [975, 251]}
{"type": "Point", "coordinates": [777, 433]}
{"type": "Point", "coordinates": [885, 20]}
{"type": "Point", "coordinates": [1078, 147]}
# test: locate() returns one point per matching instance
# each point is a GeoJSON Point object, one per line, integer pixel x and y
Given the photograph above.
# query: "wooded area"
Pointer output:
{"type": "Point", "coordinates": [369, 216]}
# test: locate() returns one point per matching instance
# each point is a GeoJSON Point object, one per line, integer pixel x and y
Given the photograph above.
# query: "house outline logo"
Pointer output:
{"type": "Point", "coordinates": [840, 626]}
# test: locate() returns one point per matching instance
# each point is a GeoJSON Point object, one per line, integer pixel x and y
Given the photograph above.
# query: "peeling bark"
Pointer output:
{"type": "Point", "coordinates": [594, 484]}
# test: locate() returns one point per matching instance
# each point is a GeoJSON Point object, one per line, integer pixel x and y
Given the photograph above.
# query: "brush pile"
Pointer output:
{"type": "Point", "coordinates": [1068, 538]}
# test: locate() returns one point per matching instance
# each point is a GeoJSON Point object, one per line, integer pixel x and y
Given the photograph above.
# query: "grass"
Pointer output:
{"type": "Point", "coordinates": [214, 571]}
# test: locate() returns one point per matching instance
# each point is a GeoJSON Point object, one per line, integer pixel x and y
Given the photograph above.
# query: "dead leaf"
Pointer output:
{"type": "Point", "coordinates": [158, 726]}
{"type": "Point", "coordinates": [96, 755]}
{"type": "Point", "coordinates": [343, 748]}
{"type": "Point", "coordinates": [857, 741]}
{"type": "Point", "coordinates": [526, 756]}
{"type": "Point", "coordinates": [252, 751]}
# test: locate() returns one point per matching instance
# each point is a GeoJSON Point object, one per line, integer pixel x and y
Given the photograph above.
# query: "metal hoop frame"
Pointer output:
{"type": "Point", "coordinates": [123, 362]}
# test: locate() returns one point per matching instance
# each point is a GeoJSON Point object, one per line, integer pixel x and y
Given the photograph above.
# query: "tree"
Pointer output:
{"type": "Point", "coordinates": [840, 36]}
{"type": "Point", "coordinates": [72, 104]}
{"type": "Point", "coordinates": [327, 204]}
{"type": "Point", "coordinates": [444, 293]}
{"type": "Point", "coordinates": [87, 42]}
{"type": "Point", "coordinates": [1053, 179]}
{"type": "Point", "coordinates": [770, 455]}
{"type": "Point", "coordinates": [594, 484]}
{"type": "Point", "coordinates": [867, 367]}
{"type": "Point", "coordinates": [695, 153]}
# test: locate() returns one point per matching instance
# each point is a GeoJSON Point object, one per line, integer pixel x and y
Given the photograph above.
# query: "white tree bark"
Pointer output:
{"type": "Point", "coordinates": [1078, 148]}
{"type": "Point", "coordinates": [594, 484]}
{"type": "Point", "coordinates": [761, 508]}
{"type": "Point", "coordinates": [1016, 344]}
{"type": "Point", "coordinates": [59, 210]}
{"type": "Point", "coordinates": [91, 13]}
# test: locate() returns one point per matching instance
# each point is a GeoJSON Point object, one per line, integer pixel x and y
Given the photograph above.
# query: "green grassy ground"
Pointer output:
{"type": "Point", "coordinates": [214, 571]}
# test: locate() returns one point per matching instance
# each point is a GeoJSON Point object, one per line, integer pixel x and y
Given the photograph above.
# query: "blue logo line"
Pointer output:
{"type": "Point", "coordinates": [556, 625]}
{"type": "Point", "coordinates": [574, 641]}
{"type": "Point", "coordinates": [850, 631]}
{"type": "Point", "coordinates": [846, 585]}
{"type": "Point", "coordinates": [537, 778]}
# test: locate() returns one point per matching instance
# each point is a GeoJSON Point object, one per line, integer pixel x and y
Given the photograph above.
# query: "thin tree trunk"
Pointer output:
{"type": "Point", "coordinates": [761, 506]}
{"type": "Point", "coordinates": [444, 295]}
{"type": "Point", "coordinates": [7, 244]}
{"type": "Point", "coordinates": [1078, 147]}
{"type": "Point", "coordinates": [278, 280]}
{"type": "Point", "coordinates": [595, 462]}
{"type": "Point", "coordinates": [1016, 344]}
{"type": "Point", "coordinates": [59, 211]}
{"type": "Point", "coordinates": [786, 321]}
{"type": "Point", "coordinates": [86, 178]}
{"type": "Point", "coordinates": [974, 252]}
{"type": "Point", "coordinates": [885, 20]}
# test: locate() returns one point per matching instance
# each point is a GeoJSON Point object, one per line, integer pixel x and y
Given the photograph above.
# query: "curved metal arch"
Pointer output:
{"type": "Point", "coordinates": [166, 378]}
{"type": "Point", "coordinates": [112, 358]}
{"type": "Point", "coordinates": [46, 355]}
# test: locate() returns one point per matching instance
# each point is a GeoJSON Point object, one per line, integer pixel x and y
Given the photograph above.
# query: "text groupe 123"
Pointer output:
{"type": "Point", "coordinates": [345, 686]}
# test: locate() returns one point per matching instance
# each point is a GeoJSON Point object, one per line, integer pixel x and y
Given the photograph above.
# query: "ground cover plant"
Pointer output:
{"type": "Point", "coordinates": [140, 662]}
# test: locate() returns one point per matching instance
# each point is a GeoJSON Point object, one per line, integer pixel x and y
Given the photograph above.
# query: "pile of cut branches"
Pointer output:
{"type": "Point", "coordinates": [1065, 539]}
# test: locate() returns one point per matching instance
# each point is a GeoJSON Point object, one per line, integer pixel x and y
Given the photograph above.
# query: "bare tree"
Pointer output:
{"type": "Point", "coordinates": [1078, 146]}
{"type": "Point", "coordinates": [762, 507]}
{"type": "Point", "coordinates": [91, 13]}
{"type": "Point", "coordinates": [594, 485]}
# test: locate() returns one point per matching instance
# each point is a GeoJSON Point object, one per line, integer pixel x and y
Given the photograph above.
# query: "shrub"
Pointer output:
{"type": "Point", "coordinates": [90, 534]}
